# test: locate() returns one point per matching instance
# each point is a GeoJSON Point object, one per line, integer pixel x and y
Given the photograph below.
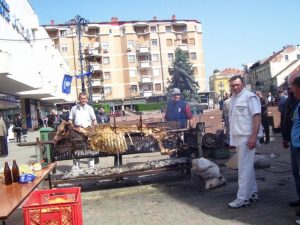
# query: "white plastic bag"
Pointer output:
{"type": "Point", "coordinates": [209, 171]}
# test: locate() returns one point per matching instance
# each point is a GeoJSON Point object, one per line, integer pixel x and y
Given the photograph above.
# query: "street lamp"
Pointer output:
{"type": "Point", "coordinates": [79, 22]}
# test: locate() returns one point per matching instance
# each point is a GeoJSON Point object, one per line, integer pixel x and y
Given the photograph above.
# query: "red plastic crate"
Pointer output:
{"type": "Point", "coordinates": [60, 206]}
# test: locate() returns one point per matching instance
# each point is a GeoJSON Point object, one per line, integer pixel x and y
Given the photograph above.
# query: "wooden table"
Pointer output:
{"type": "Point", "coordinates": [12, 196]}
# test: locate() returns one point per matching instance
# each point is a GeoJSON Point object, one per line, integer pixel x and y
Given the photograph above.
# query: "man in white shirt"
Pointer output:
{"type": "Point", "coordinates": [83, 115]}
{"type": "Point", "coordinates": [245, 127]}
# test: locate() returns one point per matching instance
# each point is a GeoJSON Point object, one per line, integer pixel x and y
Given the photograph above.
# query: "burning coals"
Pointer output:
{"type": "Point", "coordinates": [150, 165]}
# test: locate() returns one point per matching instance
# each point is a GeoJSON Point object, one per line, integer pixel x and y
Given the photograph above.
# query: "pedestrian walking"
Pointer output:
{"type": "Point", "coordinates": [245, 128]}
{"type": "Point", "coordinates": [3, 138]}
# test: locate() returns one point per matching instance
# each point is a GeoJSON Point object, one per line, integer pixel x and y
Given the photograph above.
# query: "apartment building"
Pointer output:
{"type": "Point", "coordinates": [129, 60]}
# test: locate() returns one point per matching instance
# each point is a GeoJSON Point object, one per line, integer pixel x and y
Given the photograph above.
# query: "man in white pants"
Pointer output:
{"type": "Point", "coordinates": [83, 115]}
{"type": "Point", "coordinates": [245, 128]}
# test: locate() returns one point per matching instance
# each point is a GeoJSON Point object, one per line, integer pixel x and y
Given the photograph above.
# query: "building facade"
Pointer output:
{"type": "Point", "coordinates": [129, 60]}
{"type": "Point", "coordinates": [270, 74]}
{"type": "Point", "coordinates": [219, 82]}
{"type": "Point", "coordinates": [31, 69]}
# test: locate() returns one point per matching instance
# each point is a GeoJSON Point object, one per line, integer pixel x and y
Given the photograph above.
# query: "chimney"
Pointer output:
{"type": "Point", "coordinates": [173, 17]}
{"type": "Point", "coordinates": [52, 22]}
{"type": "Point", "coordinates": [154, 18]}
{"type": "Point", "coordinates": [114, 19]}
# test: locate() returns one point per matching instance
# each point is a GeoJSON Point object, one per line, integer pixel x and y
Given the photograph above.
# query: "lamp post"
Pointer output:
{"type": "Point", "coordinates": [90, 70]}
{"type": "Point", "coordinates": [79, 22]}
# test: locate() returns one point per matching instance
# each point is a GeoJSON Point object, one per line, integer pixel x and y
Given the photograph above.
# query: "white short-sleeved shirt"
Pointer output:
{"type": "Point", "coordinates": [82, 116]}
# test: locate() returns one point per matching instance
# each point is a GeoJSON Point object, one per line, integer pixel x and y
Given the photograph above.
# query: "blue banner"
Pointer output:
{"type": "Point", "coordinates": [66, 85]}
{"type": "Point", "coordinates": [83, 75]}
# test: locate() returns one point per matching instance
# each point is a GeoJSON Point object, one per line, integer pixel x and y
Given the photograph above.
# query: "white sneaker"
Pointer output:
{"type": "Point", "coordinates": [298, 222]}
{"type": "Point", "coordinates": [237, 203]}
{"type": "Point", "coordinates": [254, 198]}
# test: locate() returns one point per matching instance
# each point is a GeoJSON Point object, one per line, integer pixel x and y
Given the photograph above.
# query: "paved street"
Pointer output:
{"type": "Point", "coordinates": [173, 198]}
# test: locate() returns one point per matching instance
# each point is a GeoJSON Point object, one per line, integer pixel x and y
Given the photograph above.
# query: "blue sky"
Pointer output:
{"type": "Point", "coordinates": [235, 32]}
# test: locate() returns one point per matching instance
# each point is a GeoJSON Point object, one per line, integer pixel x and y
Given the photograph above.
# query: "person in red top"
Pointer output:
{"type": "Point", "coordinates": [178, 109]}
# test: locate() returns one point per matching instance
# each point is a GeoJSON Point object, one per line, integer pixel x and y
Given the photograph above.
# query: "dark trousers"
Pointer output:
{"type": "Point", "coordinates": [266, 126]}
{"type": "Point", "coordinates": [3, 146]}
{"type": "Point", "coordinates": [295, 159]}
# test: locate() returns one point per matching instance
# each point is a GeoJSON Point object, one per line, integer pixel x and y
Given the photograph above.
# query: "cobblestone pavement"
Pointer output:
{"type": "Point", "coordinates": [172, 198]}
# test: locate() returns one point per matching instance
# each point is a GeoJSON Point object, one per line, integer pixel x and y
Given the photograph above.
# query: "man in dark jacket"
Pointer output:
{"type": "Point", "coordinates": [290, 106]}
{"type": "Point", "coordinates": [178, 110]}
{"type": "Point", "coordinates": [264, 117]}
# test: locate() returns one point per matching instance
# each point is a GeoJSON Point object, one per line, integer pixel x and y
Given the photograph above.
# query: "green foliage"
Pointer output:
{"type": "Point", "coordinates": [97, 106]}
{"type": "Point", "coordinates": [150, 106]}
{"type": "Point", "coordinates": [182, 75]}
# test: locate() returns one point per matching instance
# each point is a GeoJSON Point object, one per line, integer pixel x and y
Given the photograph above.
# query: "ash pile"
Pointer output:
{"type": "Point", "coordinates": [147, 166]}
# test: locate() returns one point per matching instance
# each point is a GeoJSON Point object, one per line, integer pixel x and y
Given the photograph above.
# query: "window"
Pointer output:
{"type": "Point", "coordinates": [131, 58]}
{"type": "Point", "coordinates": [192, 41]}
{"type": "Point", "coordinates": [168, 29]}
{"type": "Point", "coordinates": [64, 48]}
{"type": "Point", "coordinates": [106, 75]}
{"type": "Point", "coordinates": [130, 44]}
{"type": "Point", "coordinates": [156, 72]}
{"type": "Point", "coordinates": [184, 41]}
{"type": "Point", "coordinates": [157, 87]}
{"type": "Point", "coordinates": [170, 56]}
{"type": "Point", "coordinates": [154, 42]}
{"type": "Point", "coordinates": [286, 57]}
{"type": "Point", "coordinates": [153, 29]}
{"type": "Point", "coordinates": [133, 88]}
{"type": "Point", "coordinates": [155, 58]}
{"type": "Point", "coordinates": [169, 42]}
{"type": "Point", "coordinates": [193, 56]}
{"type": "Point", "coordinates": [298, 56]}
{"type": "Point", "coordinates": [107, 90]}
{"type": "Point", "coordinates": [123, 31]}
{"type": "Point", "coordinates": [63, 33]}
{"type": "Point", "coordinates": [105, 60]}
{"type": "Point", "coordinates": [105, 45]}
{"type": "Point", "coordinates": [195, 70]}
{"type": "Point", "coordinates": [132, 73]}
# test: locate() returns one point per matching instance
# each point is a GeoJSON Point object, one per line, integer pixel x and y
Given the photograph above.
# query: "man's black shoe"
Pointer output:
{"type": "Point", "coordinates": [297, 213]}
{"type": "Point", "coordinates": [296, 203]}
{"type": "Point", "coordinates": [267, 142]}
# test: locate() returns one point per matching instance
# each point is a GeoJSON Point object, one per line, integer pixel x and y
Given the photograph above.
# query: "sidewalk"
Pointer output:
{"type": "Point", "coordinates": [173, 199]}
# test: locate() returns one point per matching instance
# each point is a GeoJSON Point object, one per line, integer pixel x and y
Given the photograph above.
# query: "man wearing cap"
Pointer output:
{"type": "Point", "coordinates": [178, 109]}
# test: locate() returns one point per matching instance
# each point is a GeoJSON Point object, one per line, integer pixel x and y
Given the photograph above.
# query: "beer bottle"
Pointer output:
{"type": "Point", "coordinates": [7, 174]}
{"type": "Point", "coordinates": [15, 172]}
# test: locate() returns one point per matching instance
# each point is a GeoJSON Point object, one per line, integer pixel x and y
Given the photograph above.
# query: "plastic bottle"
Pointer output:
{"type": "Point", "coordinates": [15, 172]}
{"type": "Point", "coordinates": [7, 174]}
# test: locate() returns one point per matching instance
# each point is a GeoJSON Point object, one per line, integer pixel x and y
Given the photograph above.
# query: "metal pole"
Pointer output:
{"type": "Point", "coordinates": [78, 19]}
{"type": "Point", "coordinates": [79, 22]}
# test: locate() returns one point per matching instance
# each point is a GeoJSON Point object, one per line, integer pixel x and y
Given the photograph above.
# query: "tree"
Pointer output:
{"type": "Point", "coordinates": [182, 75]}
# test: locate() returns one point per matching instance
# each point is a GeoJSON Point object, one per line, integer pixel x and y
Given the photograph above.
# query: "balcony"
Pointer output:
{"type": "Point", "coordinates": [146, 79]}
{"type": "Point", "coordinates": [97, 82]}
{"type": "Point", "coordinates": [96, 66]}
{"type": "Point", "coordinates": [5, 66]}
{"type": "Point", "coordinates": [98, 97]}
{"type": "Point", "coordinates": [144, 64]}
{"type": "Point", "coordinates": [147, 93]}
{"type": "Point", "coordinates": [183, 47]}
{"type": "Point", "coordinates": [143, 50]}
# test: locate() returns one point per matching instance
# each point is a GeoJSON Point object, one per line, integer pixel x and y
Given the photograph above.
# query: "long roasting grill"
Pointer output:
{"type": "Point", "coordinates": [106, 140]}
